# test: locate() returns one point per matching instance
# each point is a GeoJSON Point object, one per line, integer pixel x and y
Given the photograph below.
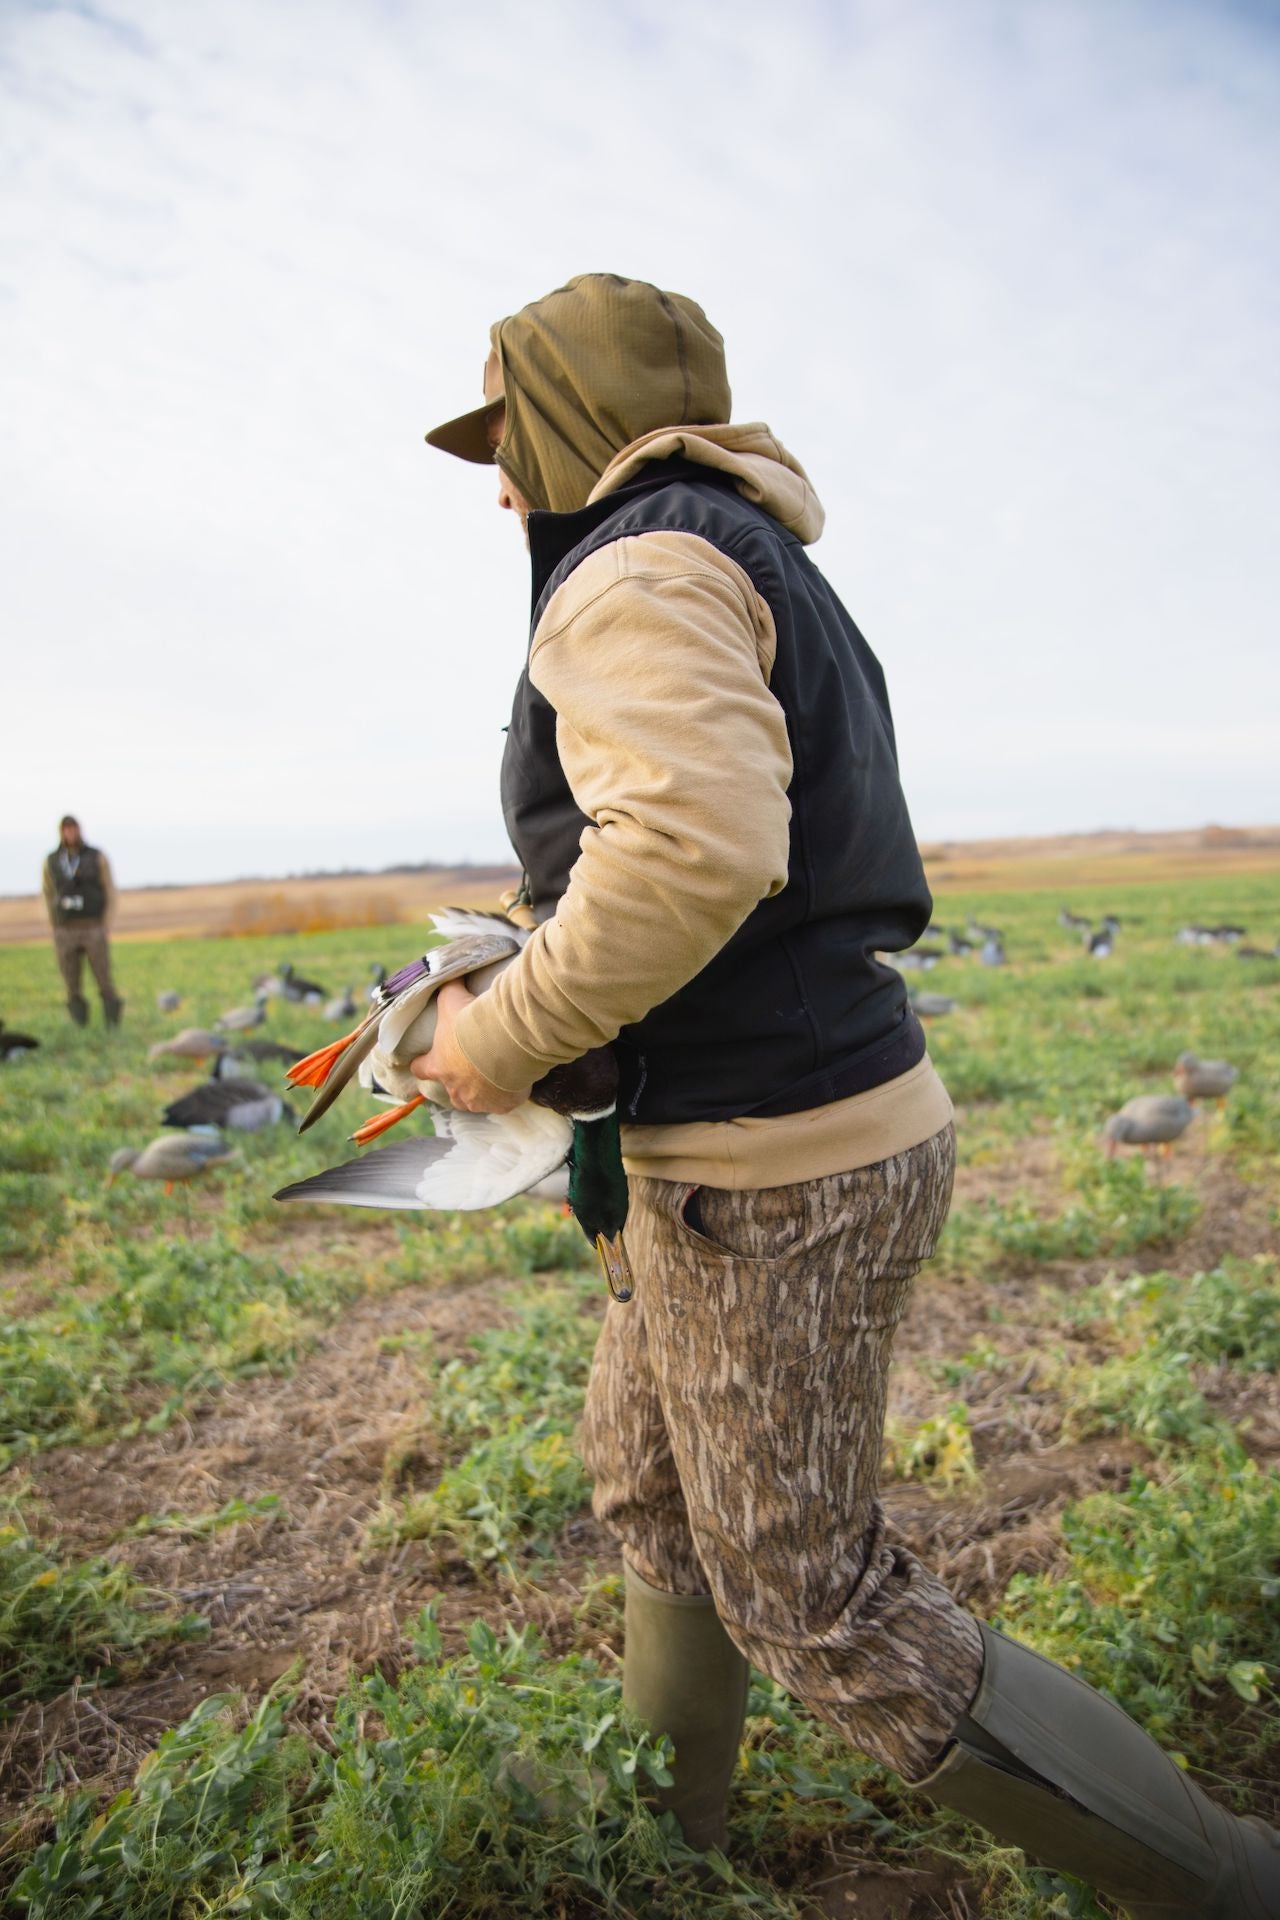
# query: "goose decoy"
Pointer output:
{"type": "Point", "coordinates": [1110, 923]}
{"type": "Point", "coordinates": [269, 985]}
{"type": "Point", "coordinates": [1149, 1120]}
{"type": "Point", "coordinates": [1198, 1079]}
{"type": "Point", "coordinates": [1246, 952]}
{"type": "Point", "coordinates": [378, 976]}
{"type": "Point", "coordinates": [304, 992]}
{"type": "Point", "coordinates": [240, 1019]}
{"type": "Point", "coordinates": [1228, 935]}
{"type": "Point", "coordinates": [171, 1158]}
{"type": "Point", "coordinates": [245, 1106]}
{"type": "Point", "coordinates": [1100, 945]}
{"type": "Point", "coordinates": [14, 1045]}
{"type": "Point", "coordinates": [992, 954]}
{"type": "Point", "coordinates": [1193, 936]}
{"type": "Point", "coordinates": [342, 1006]}
{"type": "Point", "coordinates": [474, 1159]}
{"type": "Point", "coordinates": [1073, 922]}
{"type": "Point", "coordinates": [193, 1043]}
{"type": "Point", "coordinates": [958, 945]}
{"type": "Point", "coordinates": [168, 1001]}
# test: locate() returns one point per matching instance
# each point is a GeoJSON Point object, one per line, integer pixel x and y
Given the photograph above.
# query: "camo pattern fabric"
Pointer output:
{"type": "Point", "coordinates": [733, 1429]}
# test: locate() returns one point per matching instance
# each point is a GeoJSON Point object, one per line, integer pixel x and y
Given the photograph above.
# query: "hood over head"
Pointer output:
{"type": "Point", "coordinates": [591, 368]}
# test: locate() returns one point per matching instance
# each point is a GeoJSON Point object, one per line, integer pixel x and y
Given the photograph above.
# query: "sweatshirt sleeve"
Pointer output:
{"type": "Point", "coordinates": [655, 654]}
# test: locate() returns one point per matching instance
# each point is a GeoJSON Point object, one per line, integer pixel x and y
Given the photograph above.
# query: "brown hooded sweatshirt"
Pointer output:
{"type": "Point", "coordinates": [690, 821]}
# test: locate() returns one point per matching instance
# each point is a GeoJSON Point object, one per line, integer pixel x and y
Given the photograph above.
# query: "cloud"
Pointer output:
{"type": "Point", "coordinates": [1003, 278]}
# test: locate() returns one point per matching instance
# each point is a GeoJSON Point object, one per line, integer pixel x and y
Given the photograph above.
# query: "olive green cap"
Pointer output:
{"type": "Point", "coordinates": [584, 372]}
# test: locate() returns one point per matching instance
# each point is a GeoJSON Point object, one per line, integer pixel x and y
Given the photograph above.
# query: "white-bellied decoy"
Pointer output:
{"type": "Point", "coordinates": [169, 1001]}
{"type": "Point", "coordinates": [473, 1159]}
{"type": "Point", "coordinates": [1099, 945]}
{"type": "Point", "coordinates": [245, 1106]}
{"type": "Point", "coordinates": [304, 992]}
{"type": "Point", "coordinates": [241, 1019]}
{"type": "Point", "coordinates": [1148, 1120]}
{"type": "Point", "coordinates": [342, 1006]}
{"type": "Point", "coordinates": [1198, 1079]}
{"type": "Point", "coordinates": [992, 954]}
{"type": "Point", "coordinates": [171, 1158]}
{"type": "Point", "coordinates": [14, 1045]}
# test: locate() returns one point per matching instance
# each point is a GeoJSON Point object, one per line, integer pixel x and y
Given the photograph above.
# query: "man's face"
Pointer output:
{"type": "Point", "coordinates": [70, 835]}
{"type": "Point", "coordinates": [509, 494]}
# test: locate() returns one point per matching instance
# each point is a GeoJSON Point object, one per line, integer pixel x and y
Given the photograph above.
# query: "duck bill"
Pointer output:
{"type": "Point", "coordinates": [616, 1266]}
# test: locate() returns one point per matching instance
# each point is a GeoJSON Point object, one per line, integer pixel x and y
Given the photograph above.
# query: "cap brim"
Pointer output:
{"type": "Point", "coordinates": [468, 436]}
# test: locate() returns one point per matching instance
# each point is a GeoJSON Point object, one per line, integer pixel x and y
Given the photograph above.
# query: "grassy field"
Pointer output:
{"type": "Point", "coordinates": [302, 1609]}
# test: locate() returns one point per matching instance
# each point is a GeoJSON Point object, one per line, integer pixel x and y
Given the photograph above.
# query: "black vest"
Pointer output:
{"type": "Point", "coordinates": [794, 1011]}
{"type": "Point", "coordinates": [81, 898]}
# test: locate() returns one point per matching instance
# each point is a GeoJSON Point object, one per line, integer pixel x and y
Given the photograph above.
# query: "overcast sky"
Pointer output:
{"type": "Point", "coordinates": [1004, 277]}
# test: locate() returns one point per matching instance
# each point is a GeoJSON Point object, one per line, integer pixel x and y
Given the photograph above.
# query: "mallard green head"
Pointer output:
{"type": "Point", "coordinates": [598, 1194]}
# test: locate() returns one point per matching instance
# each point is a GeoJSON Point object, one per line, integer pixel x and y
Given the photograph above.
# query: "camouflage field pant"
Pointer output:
{"type": "Point", "coordinates": [733, 1429]}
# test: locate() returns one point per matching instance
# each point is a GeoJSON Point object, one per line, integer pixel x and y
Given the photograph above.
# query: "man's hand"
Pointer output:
{"type": "Point", "coordinates": [448, 1064]}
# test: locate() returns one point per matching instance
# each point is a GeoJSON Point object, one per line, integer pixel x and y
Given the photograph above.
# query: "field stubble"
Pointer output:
{"type": "Point", "coordinates": [246, 1451]}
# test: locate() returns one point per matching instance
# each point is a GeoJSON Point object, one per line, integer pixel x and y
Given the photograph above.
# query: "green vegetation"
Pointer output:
{"type": "Point", "coordinates": [1088, 1311]}
{"type": "Point", "coordinates": [62, 1620]}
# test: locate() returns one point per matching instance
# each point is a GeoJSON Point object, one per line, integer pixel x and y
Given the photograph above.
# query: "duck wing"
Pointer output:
{"type": "Point", "coordinates": [474, 1160]}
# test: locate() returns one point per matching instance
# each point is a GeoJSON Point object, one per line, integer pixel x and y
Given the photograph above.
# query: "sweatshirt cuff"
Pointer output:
{"type": "Point", "coordinates": [492, 1051]}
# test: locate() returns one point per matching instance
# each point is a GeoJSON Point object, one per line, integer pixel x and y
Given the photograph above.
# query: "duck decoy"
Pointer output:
{"type": "Point", "coordinates": [234, 1055]}
{"type": "Point", "coordinates": [1149, 1120]}
{"type": "Point", "coordinates": [240, 1019]}
{"type": "Point", "coordinates": [193, 1043]}
{"type": "Point", "coordinates": [169, 1001]}
{"type": "Point", "coordinates": [932, 1006]}
{"type": "Point", "coordinates": [303, 992]}
{"type": "Point", "coordinates": [474, 1159]}
{"type": "Point", "coordinates": [245, 1106]}
{"type": "Point", "coordinates": [14, 1045]}
{"type": "Point", "coordinates": [171, 1158]}
{"type": "Point", "coordinates": [342, 1006]}
{"type": "Point", "coordinates": [1198, 1079]}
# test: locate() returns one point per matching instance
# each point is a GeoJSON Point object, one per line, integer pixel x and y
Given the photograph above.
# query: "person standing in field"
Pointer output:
{"type": "Point", "coordinates": [79, 895]}
{"type": "Point", "coordinates": [700, 779]}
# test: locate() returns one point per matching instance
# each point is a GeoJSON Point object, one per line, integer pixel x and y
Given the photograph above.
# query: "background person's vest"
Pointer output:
{"type": "Point", "coordinates": [794, 1011]}
{"type": "Point", "coordinates": [78, 897]}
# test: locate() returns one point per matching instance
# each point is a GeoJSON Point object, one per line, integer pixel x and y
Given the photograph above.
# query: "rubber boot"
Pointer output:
{"type": "Point", "coordinates": [112, 1010]}
{"type": "Point", "coordinates": [1049, 1765]}
{"type": "Point", "coordinates": [684, 1677]}
{"type": "Point", "coordinates": [78, 1008]}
